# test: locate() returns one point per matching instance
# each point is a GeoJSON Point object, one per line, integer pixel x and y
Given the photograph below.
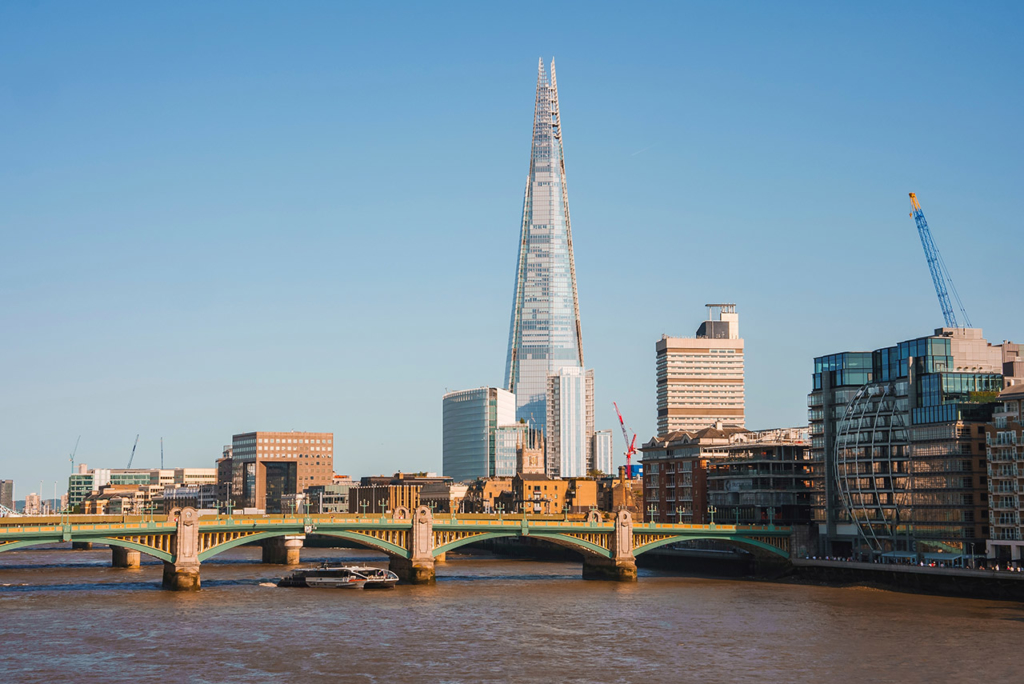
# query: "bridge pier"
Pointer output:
{"type": "Point", "coordinates": [418, 568]}
{"type": "Point", "coordinates": [595, 568]}
{"type": "Point", "coordinates": [81, 546]}
{"type": "Point", "coordinates": [283, 550]}
{"type": "Point", "coordinates": [181, 577]}
{"type": "Point", "coordinates": [182, 574]}
{"type": "Point", "coordinates": [621, 567]}
{"type": "Point", "coordinates": [122, 557]}
{"type": "Point", "coordinates": [413, 572]}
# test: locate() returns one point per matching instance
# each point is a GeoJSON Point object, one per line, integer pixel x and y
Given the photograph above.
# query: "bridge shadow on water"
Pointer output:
{"type": "Point", "coordinates": [90, 587]}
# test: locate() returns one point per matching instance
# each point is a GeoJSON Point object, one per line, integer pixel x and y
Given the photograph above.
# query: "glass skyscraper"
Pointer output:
{"type": "Point", "coordinates": [544, 334]}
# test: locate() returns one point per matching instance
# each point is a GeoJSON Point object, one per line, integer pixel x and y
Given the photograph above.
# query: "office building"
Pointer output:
{"type": "Point", "coordinates": [604, 459]}
{"type": "Point", "coordinates": [470, 419]}
{"type": "Point", "coordinates": [7, 494]}
{"type": "Point", "coordinates": [570, 422]}
{"type": "Point", "coordinates": [85, 481]}
{"type": "Point", "coordinates": [544, 333]}
{"type": "Point", "coordinates": [1004, 448]}
{"type": "Point", "coordinates": [700, 378]}
{"type": "Point", "coordinates": [508, 439]}
{"type": "Point", "coordinates": [765, 477]}
{"type": "Point", "coordinates": [268, 465]}
{"type": "Point", "coordinates": [900, 432]}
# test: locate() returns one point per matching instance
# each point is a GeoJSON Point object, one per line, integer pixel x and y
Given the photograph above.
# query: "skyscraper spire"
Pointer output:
{"type": "Point", "coordinates": [544, 333]}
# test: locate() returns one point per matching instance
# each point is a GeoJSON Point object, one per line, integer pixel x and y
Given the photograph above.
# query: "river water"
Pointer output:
{"type": "Point", "coordinates": [67, 616]}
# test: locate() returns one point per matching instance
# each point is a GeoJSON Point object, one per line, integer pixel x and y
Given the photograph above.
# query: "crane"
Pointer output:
{"type": "Point", "coordinates": [940, 275]}
{"type": "Point", "coordinates": [75, 452]}
{"type": "Point", "coordinates": [132, 457]}
{"type": "Point", "coordinates": [630, 443]}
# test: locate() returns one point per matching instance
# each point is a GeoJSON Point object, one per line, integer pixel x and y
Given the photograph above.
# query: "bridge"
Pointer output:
{"type": "Point", "coordinates": [413, 540]}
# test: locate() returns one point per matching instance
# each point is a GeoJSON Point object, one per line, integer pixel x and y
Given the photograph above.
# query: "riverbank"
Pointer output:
{"type": "Point", "coordinates": [954, 582]}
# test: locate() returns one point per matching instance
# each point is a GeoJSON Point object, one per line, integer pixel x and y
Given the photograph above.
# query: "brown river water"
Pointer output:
{"type": "Point", "coordinates": [67, 616]}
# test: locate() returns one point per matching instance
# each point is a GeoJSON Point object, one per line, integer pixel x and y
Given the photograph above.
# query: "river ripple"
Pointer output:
{"type": "Point", "coordinates": [67, 613]}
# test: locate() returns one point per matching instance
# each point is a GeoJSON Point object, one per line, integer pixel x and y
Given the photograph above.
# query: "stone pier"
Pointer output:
{"type": "Point", "coordinates": [621, 567]}
{"type": "Point", "coordinates": [419, 568]}
{"type": "Point", "coordinates": [183, 573]}
{"type": "Point", "coordinates": [122, 557]}
{"type": "Point", "coordinates": [283, 550]}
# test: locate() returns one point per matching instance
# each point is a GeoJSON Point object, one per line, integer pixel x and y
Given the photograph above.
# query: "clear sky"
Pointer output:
{"type": "Point", "coordinates": [231, 216]}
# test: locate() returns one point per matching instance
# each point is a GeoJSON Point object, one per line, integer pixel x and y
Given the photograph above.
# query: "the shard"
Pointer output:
{"type": "Point", "coordinates": [544, 335]}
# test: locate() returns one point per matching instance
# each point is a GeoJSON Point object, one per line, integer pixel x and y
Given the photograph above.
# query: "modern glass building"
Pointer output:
{"type": "Point", "coordinates": [507, 441]}
{"type": "Point", "coordinates": [544, 333]}
{"type": "Point", "coordinates": [470, 419]}
{"type": "Point", "coordinates": [899, 431]}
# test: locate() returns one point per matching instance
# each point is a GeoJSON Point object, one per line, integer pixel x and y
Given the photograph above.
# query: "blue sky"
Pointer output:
{"type": "Point", "coordinates": [221, 217]}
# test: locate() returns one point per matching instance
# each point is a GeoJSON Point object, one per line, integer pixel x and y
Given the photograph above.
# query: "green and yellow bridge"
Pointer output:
{"type": "Point", "coordinates": [413, 540]}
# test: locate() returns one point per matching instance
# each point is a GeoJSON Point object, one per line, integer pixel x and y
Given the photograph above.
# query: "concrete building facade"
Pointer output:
{"type": "Point", "coordinates": [700, 379]}
{"type": "Point", "coordinates": [604, 459]}
{"type": "Point", "coordinates": [1004, 446]}
{"type": "Point", "coordinates": [570, 422]}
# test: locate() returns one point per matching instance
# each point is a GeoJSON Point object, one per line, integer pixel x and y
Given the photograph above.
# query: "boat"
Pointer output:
{"type": "Point", "coordinates": [341, 577]}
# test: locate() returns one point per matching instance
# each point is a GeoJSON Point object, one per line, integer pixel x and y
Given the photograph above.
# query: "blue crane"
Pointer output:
{"type": "Point", "coordinates": [940, 276]}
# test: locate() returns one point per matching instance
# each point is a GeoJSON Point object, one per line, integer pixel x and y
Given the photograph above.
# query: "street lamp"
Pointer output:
{"type": "Point", "coordinates": [652, 511]}
{"type": "Point", "coordinates": [712, 510]}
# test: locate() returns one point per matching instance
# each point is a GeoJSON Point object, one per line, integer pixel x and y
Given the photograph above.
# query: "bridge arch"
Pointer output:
{"type": "Point", "coordinates": [565, 541]}
{"type": "Point", "coordinates": [741, 542]}
{"type": "Point", "coordinates": [361, 539]}
{"type": "Point", "coordinates": [109, 541]}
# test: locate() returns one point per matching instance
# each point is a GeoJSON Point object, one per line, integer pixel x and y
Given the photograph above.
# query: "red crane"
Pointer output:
{"type": "Point", "coordinates": [630, 443]}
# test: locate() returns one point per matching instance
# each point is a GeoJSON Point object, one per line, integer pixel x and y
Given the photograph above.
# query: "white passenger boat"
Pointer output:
{"type": "Point", "coordinates": [341, 577]}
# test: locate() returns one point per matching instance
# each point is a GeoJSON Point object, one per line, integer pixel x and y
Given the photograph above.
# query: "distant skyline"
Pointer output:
{"type": "Point", "coordinates": [248, 216]}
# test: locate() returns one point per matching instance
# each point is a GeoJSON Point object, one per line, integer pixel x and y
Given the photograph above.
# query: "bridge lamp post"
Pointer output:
{"type": "Point", "coordinates": [364, 503]}
{"type": "Point", "coordinates": [771, 516]}
{"type": "Point", "coordinates": [565, 509]}
{"type": "Point", "coordinates": [652, 511]}
{"type": "Point", "coordinates": [381, 503]}
{"type": "Point", "coordinates": [679, 515]}
{"type": "Point", "coordinates": [712, 510]}
{"type": "Point", "coordinates": [501, 509]}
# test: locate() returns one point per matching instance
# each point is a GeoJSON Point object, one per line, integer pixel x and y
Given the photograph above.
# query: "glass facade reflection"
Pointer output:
{"type": "Point", "coordinates": [544, 333]}
{"type": "Point", "coordinates": [899, 432]}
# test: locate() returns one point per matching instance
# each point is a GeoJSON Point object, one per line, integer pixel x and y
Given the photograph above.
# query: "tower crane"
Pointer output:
{"type": "Point", "coordinates": [132, 457]}
{"type": "Point", "coordinates": [75, 452]}
{"type": "Point", "coordinates": [630, 443]}
{"type": "Point", "coordinates": [940, 276]}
